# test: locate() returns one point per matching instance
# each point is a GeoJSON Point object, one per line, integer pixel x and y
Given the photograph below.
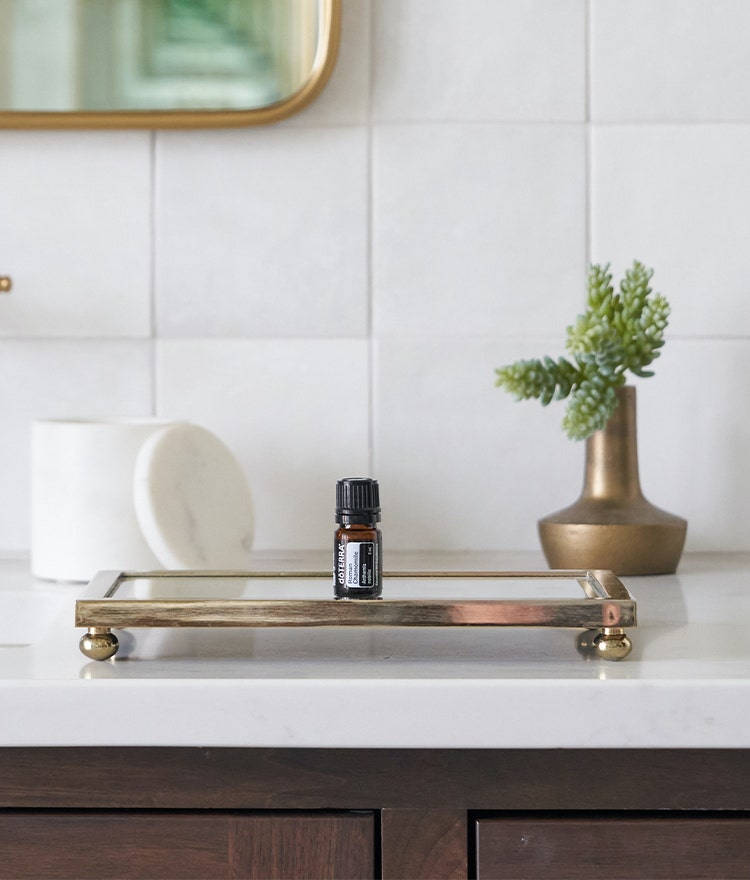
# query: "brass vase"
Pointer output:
{"type": "Point", "coordinates": [612, 526]}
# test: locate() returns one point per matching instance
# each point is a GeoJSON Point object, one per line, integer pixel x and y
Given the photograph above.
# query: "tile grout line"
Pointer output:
{"type": "Point", "coordinates": [588, 132]}
{"type": "Point", "coordinates": [370, 271]}
{"type": "Point", "coordinates": [152, 272]}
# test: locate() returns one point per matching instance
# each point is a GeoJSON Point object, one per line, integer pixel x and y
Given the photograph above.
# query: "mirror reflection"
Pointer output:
{"type": "Point", "coordinates": [156, 55]}
{"type": "Point", "coordinates": [318, 586]}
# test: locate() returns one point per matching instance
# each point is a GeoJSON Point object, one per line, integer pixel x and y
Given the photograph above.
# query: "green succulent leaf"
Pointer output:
{"type": "Point", "coordinates": [621, 331]}
{"type": "Point", "coordinates": [590, 408]}
{"type": "Point", "coordinates": [544, 379]}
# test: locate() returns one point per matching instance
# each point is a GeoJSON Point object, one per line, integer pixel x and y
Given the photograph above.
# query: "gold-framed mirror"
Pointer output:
{"type": "Point", "coordinates": [162, 63]}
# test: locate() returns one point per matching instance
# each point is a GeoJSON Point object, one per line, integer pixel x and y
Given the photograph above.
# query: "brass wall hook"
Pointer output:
{"type": "Point", "coordinates": [6, 283]}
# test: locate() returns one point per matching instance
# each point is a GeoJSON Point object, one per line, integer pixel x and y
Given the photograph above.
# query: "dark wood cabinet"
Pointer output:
{"type": "Point", "coordinates": [396, 814]}
{"type": "Point", "coordinates": [185, 845]}
{"type": "Point", "coordinates": [618, 847]}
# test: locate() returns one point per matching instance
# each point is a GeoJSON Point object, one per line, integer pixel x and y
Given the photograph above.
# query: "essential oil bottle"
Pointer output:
{"type": "Point", "coordinates": [357, 545]}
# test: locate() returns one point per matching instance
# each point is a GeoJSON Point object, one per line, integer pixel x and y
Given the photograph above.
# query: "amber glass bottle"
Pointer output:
{"type": "Point", "coordinates": [357, 545]}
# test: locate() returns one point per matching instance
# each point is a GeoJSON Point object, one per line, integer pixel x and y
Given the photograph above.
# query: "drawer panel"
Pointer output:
{"type": "Point", "coordinates": [656, 846]}
{"type": "Point", "coordinates": [185, 845]}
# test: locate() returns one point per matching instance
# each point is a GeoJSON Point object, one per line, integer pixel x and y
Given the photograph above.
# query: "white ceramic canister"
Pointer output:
{"type": "Point", "coordinates": [83, 518]}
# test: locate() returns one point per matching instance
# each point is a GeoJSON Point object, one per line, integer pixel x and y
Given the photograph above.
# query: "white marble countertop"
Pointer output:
{"type": "Point", "coordinates": [686, 683]}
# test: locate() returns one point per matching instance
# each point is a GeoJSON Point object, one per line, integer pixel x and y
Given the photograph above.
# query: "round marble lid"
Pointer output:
{"type": "Point", "coordinates": [192, 500]}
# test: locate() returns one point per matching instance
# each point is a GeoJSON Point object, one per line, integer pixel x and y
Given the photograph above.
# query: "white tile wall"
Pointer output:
{"type": "Point", "coordinates": [676, 197]}
{"type": "Point", "coordinates": [332, 294]}
{"type": "Point", "coordinates": [270, 240]}
{"type": "Point", "coordinates": [676, 60]}
{"type": "Point", "coordinates": [75, 231]}
{"type": "Point", "coordinates": [479, 60]}
{"type": "Point", "coordinates": [495, 221]}
{"type": "Point", "coordinates": [294, 412]}
{"type": "Point", "coordinates": [460, 463]}
{"type": "Point", "coordinates": [695, 461]}
{"type": "Point", "coordinates": [60, 379]}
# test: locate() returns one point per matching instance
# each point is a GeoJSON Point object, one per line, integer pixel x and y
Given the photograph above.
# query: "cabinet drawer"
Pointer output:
{"type": "Point", "coordinates": [618, 847]}
{"type": "Point", "coordinates": [185, 845]}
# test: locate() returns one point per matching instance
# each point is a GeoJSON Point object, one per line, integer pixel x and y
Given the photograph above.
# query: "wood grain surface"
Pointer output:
{"type": "Point", "coordinates": [657, 847]}
{"type": "Point", "coordinates": [351, 779]}
{"type": "Point", "coordinates": [192, 846]}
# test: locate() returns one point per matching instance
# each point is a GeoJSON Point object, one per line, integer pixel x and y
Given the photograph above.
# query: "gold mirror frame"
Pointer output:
{"type": "Point", "coordinates": [325, 61]}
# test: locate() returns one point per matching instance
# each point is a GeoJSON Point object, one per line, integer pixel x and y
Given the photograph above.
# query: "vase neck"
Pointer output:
{"type": "Point", "coordinates": [612, 453]}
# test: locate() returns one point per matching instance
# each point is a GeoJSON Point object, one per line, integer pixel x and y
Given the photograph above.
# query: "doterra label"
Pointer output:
{"type": "Point", "coordinates": [361, 564]}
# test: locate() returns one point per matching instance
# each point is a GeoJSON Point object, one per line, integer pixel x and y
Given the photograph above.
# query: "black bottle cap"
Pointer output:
{"type": "Point", "coordinates": [357, 500]}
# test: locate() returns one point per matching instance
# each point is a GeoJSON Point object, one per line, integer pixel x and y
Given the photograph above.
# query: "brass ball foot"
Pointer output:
{"type": "Point", "coordinates": [99, 645]}
{"type": "Point", "coordinates": [606, 644]}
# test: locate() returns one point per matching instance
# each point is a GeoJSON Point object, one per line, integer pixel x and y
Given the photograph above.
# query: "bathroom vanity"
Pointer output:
{"type": "Point", "coordinates": [380, 753]}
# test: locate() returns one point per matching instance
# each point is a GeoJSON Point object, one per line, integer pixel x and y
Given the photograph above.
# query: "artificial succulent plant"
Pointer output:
{"type": "Point", "coordinates": [620, 331]}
